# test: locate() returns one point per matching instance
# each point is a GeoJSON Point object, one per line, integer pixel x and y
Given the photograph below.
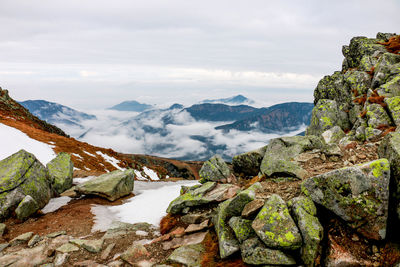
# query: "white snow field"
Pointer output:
{"type": "Point", "coordinates": [13, 140]}
{"type": "Point", "coordinates": [149, 204]}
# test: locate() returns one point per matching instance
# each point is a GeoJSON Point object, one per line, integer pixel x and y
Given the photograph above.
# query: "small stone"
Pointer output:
{"type": "Point", "coordinates": [133, 252]}
{"type": "Point", "coordinates": [353, 159]}
{"type": "Point", "coordinates": [55, 234]}
{"type": "Point", "coordinates": [67, 248]}
{"type": "Point", "coordinates": [116, 264]}
{"type": "Point", "coordinates": [323, 157]}
{"type": "Point", "coordinates": [26, 208]}
{"type": "Point", "coordinates": [34, 240]}
{"type": "Point", "coordinates": [89, 263]}
{"type": "Point", "coordinates": [2, 229]}
{"type": "Point", "coordinates": [251, 209]}
{"type": "Point", "coordinates": [3, 246]}
{"type": "Point", "coordinates": [106, 253]}
{"type": "Point", "coordinates": [374, 249]}
{"type": "Point", "coordinates": [194, 218]}
{"type": "Point", "coordinates": [197, 227]}
{"type": "Point", "coordinates": [355, 238]}
{"type": "Point", "coordinates": [21, 238]}
{"type": "Point", "coordinates": [60, 259]}
{"type": "Point", "coordinates": [178, 232]}
{"type": "Point", "coordinates": [93, 246]}
{"type": "Point", "coordinates": [187, 255]}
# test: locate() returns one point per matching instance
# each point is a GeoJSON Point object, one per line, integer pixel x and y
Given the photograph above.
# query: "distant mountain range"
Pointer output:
{"type": "Point", "coordinates": [57, 114]}
{"type": "Point", "coordinates": [131, 106]}
{"type": "Point", "coordinates": [234, 100]}
{"type": "Point", "coordinates": [187, 133]}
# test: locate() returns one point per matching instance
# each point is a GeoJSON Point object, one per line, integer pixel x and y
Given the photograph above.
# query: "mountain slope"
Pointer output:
{"type": "Point", "coordinates": [278, 118]}
{"type": "Point", "coordinates": [220, 112]}
{"type": "Point", "coordinates": [55, 113]}
{"type": "Point", "coordinates": [131, 106]}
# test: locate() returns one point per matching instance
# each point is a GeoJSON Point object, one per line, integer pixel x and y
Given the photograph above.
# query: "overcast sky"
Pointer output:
{"type": "Point", "coordinates": [94, 54]}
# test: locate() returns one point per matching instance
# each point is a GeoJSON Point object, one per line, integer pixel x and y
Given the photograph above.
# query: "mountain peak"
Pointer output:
{"type": "Point", "coordinates": [131, 105]}
{"type": "Point", "coordinates": [237, 99]}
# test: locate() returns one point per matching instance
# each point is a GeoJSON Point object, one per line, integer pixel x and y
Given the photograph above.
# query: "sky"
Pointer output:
{"type": "Point", "coordinates": [94, 54]}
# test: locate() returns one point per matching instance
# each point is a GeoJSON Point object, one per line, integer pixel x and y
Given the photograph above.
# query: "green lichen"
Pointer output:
{"type": "Point", "coordinates": [379, 167]}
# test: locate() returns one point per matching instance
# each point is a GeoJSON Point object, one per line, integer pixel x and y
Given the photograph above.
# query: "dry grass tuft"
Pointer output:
{"type": "Point", "coordinates": [168, 222]}
{"type": "Point", "coordinates": [393, 45]}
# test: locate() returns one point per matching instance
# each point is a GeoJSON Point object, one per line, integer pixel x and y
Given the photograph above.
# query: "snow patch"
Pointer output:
{"type": "Point", "coordinates": [55, 203]}
{"type": "Point", "coordinates": [90, 154]}
{"type": "Point", "coordinates": [13, 140]}
{"type": "Point", "coordinates": [80, 180]}
{"type": "Point", "coordinates": [111, 160]}
{"type": "Point", "coordinates": [77, 155]}
{"type": "Point", "coordinates": [139, 176]}
{"type": "Point", "coordinates": [141, 233]}
{"type": "Point", "coordinates": [149, 204]}
{"type": "Point", "coordinates": [150, 173]}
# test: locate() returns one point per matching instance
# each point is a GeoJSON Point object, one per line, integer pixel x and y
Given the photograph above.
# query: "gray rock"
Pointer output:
{"type": "Point", "coordinates": [275, 227]}
{"type": "Point", "coordinates": [55, 234]}
{"type": "Point", "coordinates": [242, 228]}
{"type": "Point", "coordinates": [391, 88]}
{"type": "Point", "coordinates": [333, 135]}
{"type": "Point", "coordinates": [93, 246]}
{"type": "Point", "coordinates": [26, 208]}
{"type": "Point", "coordinates": [252, 208]}
{"type": "Point", "coordinates": [214, 169]}
{"type": "Point", "coordinates": [133, 252]}
{"type": "Point", "coordinates": [67, 248]}
{"type": "Point", "coordinates": [111, 185]}
{"type": "Point", "coordinates": [60, 259]}
{"type": "Point", "coordinates": [325, 115]}
{"type": "Point", "coordinates": [34, 240]}
{"type": "Point", "coordinates": [189, 255]}
{"type": "Point", "coordinates": [333, 87]}
{"type": "Point", "coordinates": [249, 163]}
{"type": "Point", "coordinates": [281, 152]}
{"type": "Point", "coordinates": [386, 68]}
{"type": "Point", "coordinates": [376, 116]}
{"type": "Point", "coordinates": [360, 47]}
{"type": "Point", "coordinates": [118, 229]}
{"type": "Point", "coordinates": [23, 238]}
{"type": "Point", "coordinates": [359, 195]}
{"type": "Point", "coordinates": [2, 229]}
{"type": "Point", "coordinates": [60, 171]}
{"type": "Point", "coordinates": [393, 105]}
{"type": "Point", "coordinates": [22, 174]}
{"type": "Point", "coordinates": [207, 193]}
{"type": "Point", "coordinates": [255, 252]}
{"type": "Point", "coordinates": [304, 213]}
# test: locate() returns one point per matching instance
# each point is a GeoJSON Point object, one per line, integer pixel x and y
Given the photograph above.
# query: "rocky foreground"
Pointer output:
{"type": "Point", "coordinates": [330, 198]}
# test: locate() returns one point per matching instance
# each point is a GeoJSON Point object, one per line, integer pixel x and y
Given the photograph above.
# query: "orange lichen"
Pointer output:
{"type": "Point", "coordinates": [393, 44]}
{"type": "Point", "coordinates": [168, 222]}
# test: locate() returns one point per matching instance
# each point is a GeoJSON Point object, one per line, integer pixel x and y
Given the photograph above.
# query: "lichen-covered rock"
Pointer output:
{"type": "Point", "coordinates": [242, 228]}
{"type": "Point", "coordinates": [376, 116]}
{"type": "Point", "coordinates": [333, 135]}
{"type": "Point", "coordinates": [390, 149]}
{"type": "Point", "coordinates": [21, 175]}
{"type": "Point", "coordinates": [227, 242]}
{"type": "Point", "coordinates": [111, 185]}
{"type": "Point", "coordinates": [249, 162]}
{"type": "Point", "coordinates": [26, 208]}
{"type": "Point", "coordinates": [304, 213]}
{"type": "Point", "coordinates": [252, 208]}
{"type": "Point", "coordinates": [391, 88]}
{"type": "Point", "coordinates": [206, 193]}
{"type": "Point", "coordinates": [359, 195]}
{"type": "Point", "coordinates": [280, 155]}
{"type": "Point", "coordinates": [214, 169]}
{"type": "Point", "coordinates": [189, 255]}
{"type": "Point", "coordinates": [387, 67]}
{"type": "Point", "coordinates": [325, 115]}
{"type": "Point", "coordinates": [255, 252]}
{"type": "Point", "coordinates": [360, 47]}
{"type": "Point", "coordinates": [358, 81]}
{"type": "Point", "coordinates": [333, 87]}
{"type": "Point", "coordinates": [393, 105]}
{"type": "Point", "coordinates": [60, 172]}
{"type": "Point", "coordinates": [275, 227]}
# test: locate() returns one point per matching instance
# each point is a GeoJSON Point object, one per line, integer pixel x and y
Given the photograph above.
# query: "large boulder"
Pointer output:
{"type": "Point", "coordinates": [242, 228]}
{"type": "Point", "coordinates": [387, 67]}
{"type": "Point", "coordinates": [279, 158]}
{"type": "Point", "coordinates": [304, 213]}
{"type": "Point", "coordinates": [201, 195]}
{"type": "Point", "coordinates": [189, 255]}
{"type": "Point", "coordinates": [333, 135]}
{"type": "Point", "coordinates": [393, 105]}
{"type": "Point", "coordinates": [22, 175]}
{"type": "Point", "coordinates": [214, 169]}
{"type": "Point", "coordinates": [377, 116]}
{"type": "Point", "coordinates": [275, 227]}
{"type": "Point", "coordinates": [325, 115]}
{"type": "Point", "coordinates": [249, 163]}
{"type": "Point", "coordinates": [60, 171]}
{"type": "Point", "coordinates": [359, 195]}
{"type": "Point", "coordinates": [255, 252]}
{"type": "Point", "coordinates": [391, 88]}
{"type": "Point", "coordinates": [26, 208]}
{"type": "Point", "coordinates": [357, 81]}
{"type": "Point", "coordinates": [111, 185]}
{"type": "Point", "coordinates": [333, 87]}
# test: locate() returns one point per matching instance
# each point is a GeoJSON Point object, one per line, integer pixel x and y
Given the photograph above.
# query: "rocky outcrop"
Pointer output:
{"type": "Point", "coordinates": [111, 185]}
{"type": "Point", "coordinates": [359, 195]}
{"type": "Point", "coordinates": [22, 175]}
{"type": "Point", "coordinates": [60, 172]}
{"type": "Point", "coordinates": [249, 163]}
